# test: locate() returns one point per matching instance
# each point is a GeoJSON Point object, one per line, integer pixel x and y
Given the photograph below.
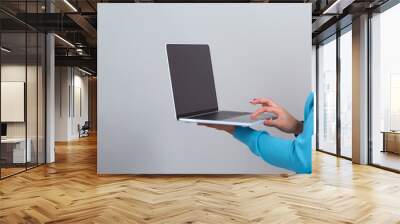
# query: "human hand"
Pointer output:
{"type": "Point", "coordinates": [284, 121]}
{"type": "Point", "coordinates": [228, 128]}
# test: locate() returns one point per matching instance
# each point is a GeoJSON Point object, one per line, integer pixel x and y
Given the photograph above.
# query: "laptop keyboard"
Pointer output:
{"type": "Point", "coordinates": [220, 115]}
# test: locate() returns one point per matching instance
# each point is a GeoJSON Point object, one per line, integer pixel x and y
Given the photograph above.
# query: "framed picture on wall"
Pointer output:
{"type": "Point", "coordinates": [12, 101]}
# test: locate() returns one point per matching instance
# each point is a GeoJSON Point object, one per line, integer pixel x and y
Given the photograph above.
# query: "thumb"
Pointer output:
{"type": "Point", "coordinates": [271, 122]}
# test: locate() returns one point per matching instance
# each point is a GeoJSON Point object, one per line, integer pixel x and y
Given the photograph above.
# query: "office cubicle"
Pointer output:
{"type": "Point", "coordinates": [22, 91]}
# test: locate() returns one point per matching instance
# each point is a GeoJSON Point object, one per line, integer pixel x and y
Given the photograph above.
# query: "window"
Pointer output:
{"type": "Point", "coordinates": [335, 74]}
{"type": "Point", "coordinates": [346, 93]}
{"type": "Point", "coordinates": [327, 96]}
{"type": "Point", "coordinates": [385, 89]}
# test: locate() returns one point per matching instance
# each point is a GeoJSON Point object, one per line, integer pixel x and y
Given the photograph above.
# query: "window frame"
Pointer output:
{"type": "Point", "coordinates": [334, 37]}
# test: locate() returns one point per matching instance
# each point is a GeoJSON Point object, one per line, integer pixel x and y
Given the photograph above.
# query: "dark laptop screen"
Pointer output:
{"type": "Point", "coordinates": [3, 129]}
{"type": "Point", "coordinates": [192, 79]}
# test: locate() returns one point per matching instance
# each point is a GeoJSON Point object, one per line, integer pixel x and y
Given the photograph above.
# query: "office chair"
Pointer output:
{"type": "Point", "coordinates": [84, 130]}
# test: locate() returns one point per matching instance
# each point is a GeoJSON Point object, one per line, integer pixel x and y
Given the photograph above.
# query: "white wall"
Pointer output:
{"type": "Point", "coordinates": [256, 51]}
{"type": "Point", "coordinates": [68, 81]}
{"type": "Point", "coordinates": [62, 81]}
{"type": "Point", "coordinates": [79, 117]}
{"type": "Point", "coordinates": [12, 101]}
{"type": "Point", "coordinates": [17, 72]}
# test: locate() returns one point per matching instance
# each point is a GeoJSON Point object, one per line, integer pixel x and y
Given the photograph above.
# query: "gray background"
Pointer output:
{"type": "Point", "coordinates": [257, 50]}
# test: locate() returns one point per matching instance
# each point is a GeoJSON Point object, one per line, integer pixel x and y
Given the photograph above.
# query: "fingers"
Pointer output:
{"type": "Point", "coordinates": [216, 126]}
{"type": "Point", "coordinates": [228, 128]}
{"type": "Point", "coordinates": [263, 110]}
{"type": "Point", "coordinates": [263, 101]}
{"type": "Point", "coordinates": [270, 122]}
{"type": "Point", "coordinates": [208, 125]}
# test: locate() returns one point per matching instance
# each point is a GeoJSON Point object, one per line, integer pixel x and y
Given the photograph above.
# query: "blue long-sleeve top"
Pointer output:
{"type": "Point", "coordinates": [292, 154]}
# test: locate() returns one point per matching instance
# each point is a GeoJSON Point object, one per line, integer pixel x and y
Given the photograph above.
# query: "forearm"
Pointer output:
{"type": "Point", "coordinates": [288, 154]}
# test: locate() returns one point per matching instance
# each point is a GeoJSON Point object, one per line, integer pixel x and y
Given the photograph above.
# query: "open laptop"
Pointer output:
{"type": "Point", "coordinates": [194, 91]}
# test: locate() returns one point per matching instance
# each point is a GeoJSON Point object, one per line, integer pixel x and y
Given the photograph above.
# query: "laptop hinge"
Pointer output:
{"type": "Point", "coordinates": [211, 112]}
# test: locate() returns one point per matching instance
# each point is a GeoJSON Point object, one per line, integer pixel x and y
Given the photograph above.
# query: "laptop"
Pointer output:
{"type": "Point", "coordinates": [193, 88]}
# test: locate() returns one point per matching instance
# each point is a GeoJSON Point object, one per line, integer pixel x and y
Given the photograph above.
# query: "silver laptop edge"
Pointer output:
{"type": "Point", "coordinates": [191, 120]}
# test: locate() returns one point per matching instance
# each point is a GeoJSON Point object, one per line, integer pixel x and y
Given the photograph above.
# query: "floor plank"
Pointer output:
{"type": "Point", "coordinates": [70, 191]}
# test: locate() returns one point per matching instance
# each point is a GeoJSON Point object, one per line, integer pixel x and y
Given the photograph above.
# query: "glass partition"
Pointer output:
{"type": "Point", "coordinates": [346, 93]}
{"type": "Point", "coordinates": [41, 87]}
{"type": "Point", "coordinates": [327, 96]}
{"type": "Point", "coordinates": [32, 96]}
{"type": "Point", "coordinates": [22, 101]}
{"type": "Point", "coordinates": [385, 89]}
{"type": "Point", "coordinates": [14, 153]}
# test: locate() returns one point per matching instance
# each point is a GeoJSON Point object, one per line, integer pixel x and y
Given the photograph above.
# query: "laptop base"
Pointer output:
{"type": "Point", "coordinates": [233, 118]}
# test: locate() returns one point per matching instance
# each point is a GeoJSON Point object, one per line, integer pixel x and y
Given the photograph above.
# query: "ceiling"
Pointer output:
{"type": "Point", "coordinates": [75, 21]}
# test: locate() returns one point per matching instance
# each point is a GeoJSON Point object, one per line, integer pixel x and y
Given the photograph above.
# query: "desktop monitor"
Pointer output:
{"type": "Point", "coordinates": [3, 129]}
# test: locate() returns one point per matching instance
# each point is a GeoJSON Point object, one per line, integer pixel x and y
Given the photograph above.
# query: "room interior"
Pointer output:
{"type": "Point", "coordinates": [49, 156]}
{"type": "Point", "coordinates": [22, 102]}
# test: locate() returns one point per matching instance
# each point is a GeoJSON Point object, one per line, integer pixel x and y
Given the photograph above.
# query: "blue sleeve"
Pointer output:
{"type": "Point", "coordinates": [292, 154]}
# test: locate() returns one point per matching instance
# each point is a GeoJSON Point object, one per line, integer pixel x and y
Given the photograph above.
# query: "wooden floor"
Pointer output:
{"type": "Point", "coordinates": [386, 159]}
{"type": "Point", "coordinates": [5, 172]}
{"type": "Point", "coordinates": [70, 191]}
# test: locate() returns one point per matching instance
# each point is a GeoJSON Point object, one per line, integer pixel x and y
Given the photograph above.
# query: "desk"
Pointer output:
{"type": "Point", "coordinates": [13, 150]}
{"type": "Point", "coordinates": [391, 141]}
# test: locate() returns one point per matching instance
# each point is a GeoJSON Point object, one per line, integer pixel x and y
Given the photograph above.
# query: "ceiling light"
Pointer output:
{"type": "Point", "coordinates": [65, 41]}
{"type": "Point", "coordinates": [338, 6]}
{"type": "Point", "coordinates": [79, 51]}
{"type": "Point", "coordinates": [70, 5]}
{"type": "Point", "coordinates": [5, 50]}
{"type": "Point", "coordinates": [326, 11]}
{"type": "Point", "coordinates": [84, 71]}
